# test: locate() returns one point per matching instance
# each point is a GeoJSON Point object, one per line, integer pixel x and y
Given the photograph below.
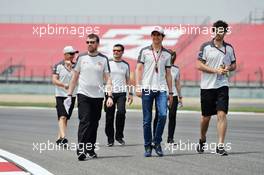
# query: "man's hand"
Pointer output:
{"type": "Point", "coordinates": [139, 94]}
{"type": "Point", "coordinates": [170, 99]}
{"type": "Point", "coordinates": [66, 86]}
{"type": "Point", "coordinates": [130, 99]}
{"type": "Point", "coordinates": [221, 71]}
{"type": "Point", "coordinates": [109, 102]}
{"type": "Point", "coordinates": [67, 103]}
{"type": "Point", "coordinates": [180, 104]}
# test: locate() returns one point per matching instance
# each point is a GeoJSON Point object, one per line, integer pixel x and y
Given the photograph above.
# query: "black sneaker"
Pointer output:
{"type": "Point", "coordinates": [58, 142]}
{"type": "Point", "coordinates": [91, 155]}
{"type": "Point", "coordinates": [170, 141]}
{"type": "Point", "coordinates": [110, 144]}
{"type": "Point", "coordinates": [121, 142]}
{"type": "Point", "coordinates": [148, 151]}
{"type": "Point", "coordinates": [64, 142]}
{"type": "Point", "coordinates": [200, 146]}
{"type": "Point", "coordinates": [158, 150]}
{"type": "Point", "coordinates": [221, 151]}
{"type": "Point", "coordinates": [82, 157]}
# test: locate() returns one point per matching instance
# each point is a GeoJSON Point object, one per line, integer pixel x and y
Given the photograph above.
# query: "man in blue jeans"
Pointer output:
{"type": "Point", "coordinates": [153, 76]}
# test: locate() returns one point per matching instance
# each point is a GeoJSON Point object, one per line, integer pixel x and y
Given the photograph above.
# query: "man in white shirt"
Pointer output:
{"type": "Point", "coordinates": [91, 70]}
{"type": "Point", "coordinates": [61, 76]}
{"type": "Point", "coordinates": [153, 76]}
{"type": "Point", "coordinates": [120, 75]}
{"type": "Point", "coordinates": [215, 60]}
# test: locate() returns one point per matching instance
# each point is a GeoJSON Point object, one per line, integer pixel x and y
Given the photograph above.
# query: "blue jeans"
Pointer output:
{"type": "Point", "coordinates": [148, 96]}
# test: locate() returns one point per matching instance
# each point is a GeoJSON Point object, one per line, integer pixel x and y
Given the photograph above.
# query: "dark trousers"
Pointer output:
{"type": "Point", "coordinates": [119, 100]}
{"type": "Point", "coordinates": [89, 113]}
{"type": "Point", "coordinates": [172, 118]}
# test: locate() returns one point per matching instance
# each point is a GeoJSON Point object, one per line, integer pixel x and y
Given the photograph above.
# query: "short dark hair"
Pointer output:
{"type": "Point", "coordinates": [120, 45]}
{"type": "Point", "coordinates": [220, 24]}
{"type": "Point", "coordinates": [92, 35]}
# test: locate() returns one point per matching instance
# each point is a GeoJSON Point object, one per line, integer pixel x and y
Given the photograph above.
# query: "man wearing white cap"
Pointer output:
{"type": "Point", "coordinates": [153, 76]}
{"type": "Point", "coordinates": [62, 73]}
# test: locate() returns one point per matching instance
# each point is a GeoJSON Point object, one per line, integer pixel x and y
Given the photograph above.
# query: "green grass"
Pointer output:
{"type": "Point", "coordinates": [188, 108]}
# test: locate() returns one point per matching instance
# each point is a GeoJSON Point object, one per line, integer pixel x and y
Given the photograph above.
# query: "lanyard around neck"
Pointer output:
{"type": "Point", "coordinates": [155, 58]}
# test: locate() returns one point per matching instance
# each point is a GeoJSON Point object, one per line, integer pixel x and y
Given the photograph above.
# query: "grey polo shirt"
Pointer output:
{"type": "Point", "coordinates": [150, 79]}
{"type": "Point", "coordinates": [215, 57]}
{"type": "Point", "coordinates": [120, 73]}
{"type": "Point", "coordinates": [64, 75]}
{"type": "Point", "coordinates": [91, 77]}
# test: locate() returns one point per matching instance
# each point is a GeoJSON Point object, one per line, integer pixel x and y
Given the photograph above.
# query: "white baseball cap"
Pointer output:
{"type": "Point", "coordinates": [69, 49]}
{"type": "Point", "coordinates": [158, 29]}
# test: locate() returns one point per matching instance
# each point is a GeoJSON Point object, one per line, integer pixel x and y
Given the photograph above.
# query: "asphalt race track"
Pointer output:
{"type": "Point", "coordinates": [22, 131]}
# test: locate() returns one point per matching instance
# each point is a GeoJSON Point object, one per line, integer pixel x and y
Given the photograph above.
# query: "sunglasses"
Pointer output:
{"type": "Point", "coordinates": [71, 54]}
{"type": "Point", "coordinates": [156, 34]}
{"type": "Point", "coordinates": [90, 42]}
{"type": "Point", "coordinates": [117, 50]}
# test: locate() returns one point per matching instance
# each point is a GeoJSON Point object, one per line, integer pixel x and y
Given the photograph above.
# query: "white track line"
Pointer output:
{"type": "Point", "coordinates": [26, 164]}
{"type": "Point", "coordinates": [134, 110]}
{"type": "Point", "coordinates": [14, 173]}
{"type": "Point", "coordinates": [2, 160]}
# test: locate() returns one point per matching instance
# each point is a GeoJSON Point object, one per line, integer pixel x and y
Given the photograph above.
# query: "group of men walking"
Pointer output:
{"type": "Point", "coordinates": [157, 80]}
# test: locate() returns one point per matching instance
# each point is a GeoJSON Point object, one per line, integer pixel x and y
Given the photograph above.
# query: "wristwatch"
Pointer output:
{"type": "Point", "coordinates": [110, 96]}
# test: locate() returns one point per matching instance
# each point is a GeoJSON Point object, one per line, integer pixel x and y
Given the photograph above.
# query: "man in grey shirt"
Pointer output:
{"type": "Point", "coordinates": [61, 76]}
{"type": "Point", "coordinates": [215, 60]}
{"type": "Point", "coordinates": [91, 70]}
{"type": "Point", "coordinates": [153, 76]}
{"type": "Point", "coordinates": [120, 75]}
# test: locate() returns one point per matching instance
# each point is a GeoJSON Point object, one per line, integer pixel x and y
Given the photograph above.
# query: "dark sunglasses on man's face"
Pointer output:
{"type": "Point", "coordinates": [90, 42]}
{"type": "Point", "coordinates": [71, 54]}
{"type": "Point", "coordinates": [117, 50]}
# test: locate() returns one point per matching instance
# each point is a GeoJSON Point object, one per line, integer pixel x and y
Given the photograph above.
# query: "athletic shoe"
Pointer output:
{"type": "Point", "coordinates": [58, 142]}
{"type": "Point", "coordinates": [148, 151]}
{"type": "Point", "coordinates": [64, 142]}
{"type": "Point", "coordinates": [158, 150]}
{"type": "Point", "coordinates": [221, 151]}
{"type": "Point", "coordinates": [110, 144]}
{"type": "Point", "coordinates": [91, 155]}
{"type": "Point", "coordinates": [200, 146]}
{"type": "Point", "coordinates": [82, 157]}
{"type": "Point", "coordinates": [170, 141]}
{"type": "Point", "coordinates": [87, 156]}
{"type": "Point", "coordinates": [121, 142]}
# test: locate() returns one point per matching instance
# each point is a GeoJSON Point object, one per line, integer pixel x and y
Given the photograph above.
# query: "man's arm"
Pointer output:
{"type": "Point", "coordinates": [73, 82]}
{"type": "Point", "coordinates": [108, 84]}
{"type": "Point", "coordinates": [129, 90]}
{"type": "Point", "coordinates": [109, 98]}
{"type": "Point", "coordinates": [139, 71]}
{"type": "Point", "coordinates": [169, 79]}
{"type": "Point", "coordinates": [232, 67]}
{"type": "Point", "coordinates": [169, 84]}
{"type": "Point", "coordinates": [200, 65]}
{"type": "Point", "coordinates": [178, 88]}
{"type": "Point", "coordinates": [57, 82]}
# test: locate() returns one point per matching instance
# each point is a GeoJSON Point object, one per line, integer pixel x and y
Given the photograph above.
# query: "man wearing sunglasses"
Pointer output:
{"type": "Point", "coordinates": [91, 71]}
{"type": "Point", "coordinates": [61, 76]}
{"type": "Point", "coordinates": [153, 76]}
{"type": "Point", "coordinates": [120, 75]}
